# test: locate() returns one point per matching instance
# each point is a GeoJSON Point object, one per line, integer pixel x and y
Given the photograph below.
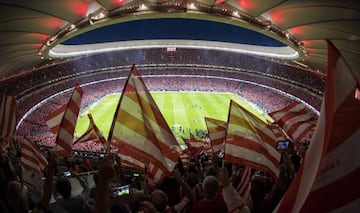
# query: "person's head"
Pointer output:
{"type": "Point", "coordinates": [211, 171]}
{"type": "Point", "coordinates": [171, 187]}
{"type": "Point", "coordinates": [192, 180]}
{"type": "Point", "coordinates": [63, 186]}
{"type": "Point", "coordinates": [120, 208]}
{"type": "Point", "coordinates": [210, 186]}
{"type": "Point", "coordinates": [159, 199]}
{"type": "Point", "coordinates": [258, 188]}
{"type": "Point", "coordinates": [146, 207]}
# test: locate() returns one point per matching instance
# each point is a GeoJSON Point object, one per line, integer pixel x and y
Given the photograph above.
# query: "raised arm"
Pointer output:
{"type": "Point", "coordinates": [48, 184]}
{"type": "Point", "coordinates": [232, 199]}
{"type": "Point", "coordinates": [106, 173]}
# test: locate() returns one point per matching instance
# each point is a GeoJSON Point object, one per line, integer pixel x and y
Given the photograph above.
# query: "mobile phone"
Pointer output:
{"type": "Point", "coordinates": [282, 145]}
{"type": "Point", "coordinates": [67, 173]}
{"type": "Point", "coordinates": [122, 190]}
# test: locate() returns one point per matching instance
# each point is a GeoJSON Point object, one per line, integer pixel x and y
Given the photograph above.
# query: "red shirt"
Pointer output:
{"type": "Point", "coordinates": [217, 206]}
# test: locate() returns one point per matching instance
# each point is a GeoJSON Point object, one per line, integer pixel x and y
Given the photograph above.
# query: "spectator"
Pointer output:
{"type": "Point", "coordinates": [257, 202]}
{"type": "Point", "coordinates": [213, 201]}
{"type": "Point", "coordinates": [233, 201]}
{"type": "Point", "coordinates": [69, 203]}
{"type": "Point", "coordinates": [159, 199]}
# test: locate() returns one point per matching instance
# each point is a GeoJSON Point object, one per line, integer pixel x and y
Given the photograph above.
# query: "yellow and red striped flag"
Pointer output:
{"type": "Point", "coordinates": [217, 133]}
{"type": "Point", "coordinates": [8, 116]}
{"type": "Point", "coordinates": [250, 142]}
{"type": "Point", "coordinates": [63, 122]}
{"type": "Point", "coordinates": [141, 131]}
{"type": "Point", "coordinates": [328, 178]}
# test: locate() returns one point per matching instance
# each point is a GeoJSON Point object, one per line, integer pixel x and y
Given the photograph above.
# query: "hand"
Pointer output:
{"type": "Point", "coordinates": [147, 207]}
{"type": "Point", "coordinates": [106, 170]}
{"type": "Point", "coordinates": [118, 160]}
{"type": "Point", "coordinates": [177, 175]}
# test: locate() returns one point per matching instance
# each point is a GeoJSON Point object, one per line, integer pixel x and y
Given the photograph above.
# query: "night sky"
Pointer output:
{"type": "Point", "coordinates": [173, 28]}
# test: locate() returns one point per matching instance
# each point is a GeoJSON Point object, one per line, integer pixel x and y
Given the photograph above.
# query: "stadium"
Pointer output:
{"type": "Point", "coordinates": [193, 56]}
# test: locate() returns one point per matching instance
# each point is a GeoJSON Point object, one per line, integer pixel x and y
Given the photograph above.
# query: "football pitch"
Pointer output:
{"type": "Point", "coordinates": [184, 112]}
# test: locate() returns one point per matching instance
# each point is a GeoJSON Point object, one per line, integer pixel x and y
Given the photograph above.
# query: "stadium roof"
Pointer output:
{"type": "Point", "coordinates": [36, 32]}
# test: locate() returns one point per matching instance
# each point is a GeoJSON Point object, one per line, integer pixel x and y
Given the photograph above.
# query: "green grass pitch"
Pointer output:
{"type": "Point", "coordinates": [180, 109]}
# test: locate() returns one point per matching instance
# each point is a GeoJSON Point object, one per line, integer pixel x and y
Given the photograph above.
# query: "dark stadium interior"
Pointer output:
{"type": "Point", "coordinates": [271, 53]}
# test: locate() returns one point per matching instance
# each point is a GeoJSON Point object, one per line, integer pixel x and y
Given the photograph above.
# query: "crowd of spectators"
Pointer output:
{"type": "Point", "coordinates": [29, 99]}
{"type": "Point", "coordinates": [34, 124]}
{"type": "Point", "coordinates": [75, 67]}
{"type": "Point", "coordinates": [94, 182]}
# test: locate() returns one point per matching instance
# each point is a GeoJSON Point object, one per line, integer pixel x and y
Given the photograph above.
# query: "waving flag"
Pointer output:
{"type": "Point", "coordinates": [93, 133]}
{"type": "Point", "coordinates": [67, 115]}
{"type": "Point", "coordinates": [32, 158]}
{"type": "Point", "coordinates": [8, 116]}
{"type": "Point", "coordinates": [244, 186]}
{"type": "Point", "coordinates": [250, 142]}
{"type": "Point", "coordinates": [296, 120]}
{"type": "Point", "coordinates": [327, 180]}
{"type": "Point", "coordinates": [278, 132]}
{"type": "Point", "coordinates": [89, 135]}
{"type": "Point", "coordinates": [185, 158]}
{"type": "Point", "coordinates": [141, 131]}
{"type": "Point", "coordinates": [217, 133]}
{"type": "Point", "coordinates": [54, 118]}
{"type": "Point", "coordinates": [194, 146]}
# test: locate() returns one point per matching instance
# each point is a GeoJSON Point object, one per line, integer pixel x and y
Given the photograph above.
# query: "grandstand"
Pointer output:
{"type": "Point", "coordinates": [251, 78]}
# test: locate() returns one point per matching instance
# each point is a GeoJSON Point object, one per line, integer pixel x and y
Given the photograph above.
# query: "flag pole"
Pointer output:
{"type": "Point", "coordinates": [227, 127]}
{"type": "Point", "coordinates": [98, 134]}
{"type": "Point", "coordinates": [118, 105]}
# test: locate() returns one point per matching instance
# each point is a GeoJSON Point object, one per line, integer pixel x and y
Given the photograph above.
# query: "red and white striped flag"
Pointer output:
{"type": "Point", "coordinates": [89, 135]}
{"type": "Point", "coordinates": [53, 119]}
{"type": "Point", "coordinates": [141, 131]}
{"type": "Point", "coordinates": [67, 115]}
{"type": "Point", "coordinates": [217, 133]}
{"type": "Point", "coordinates": [128, 161]}
{"type": "Point", "coordinates": [278, 132]}
{"type": "Point", "coordinates": [185, 158]}
{"type": "Point", "coordinates": [32, 158]}
{"type": "Point", "coordinates": [8, 116]}
{"type": "Point", "coordinates": [327, 180]}
{"type": "Point", "coordinates": [149, 179]}
{"type": "Point", "coordinates": [194, 146]}
{"type": "Point", "coordinates": [296, 120]}
{"type": "Point", "coordinates": [93, 133]}
{"type": "Point", "coordinates": [250, 142]}
{"type": "Point", "coordinates": [244, 186]}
